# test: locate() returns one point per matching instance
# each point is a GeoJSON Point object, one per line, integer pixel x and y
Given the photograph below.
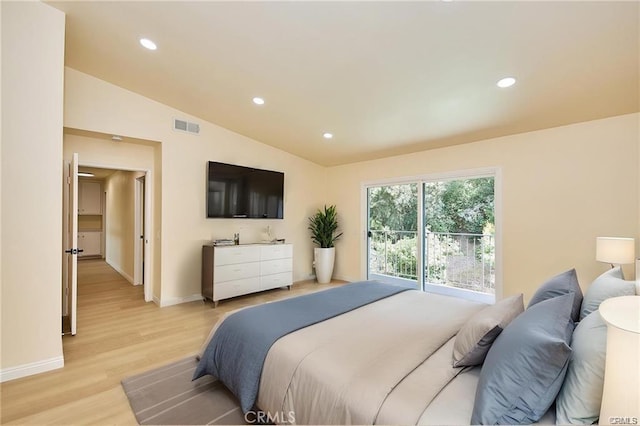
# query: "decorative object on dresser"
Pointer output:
{"type": "Point", "coordinates": [615, 250]}
{"type": "Point", "coordinates": [323, 226]}
{"type": "Point", "coordinates": [229, 271]}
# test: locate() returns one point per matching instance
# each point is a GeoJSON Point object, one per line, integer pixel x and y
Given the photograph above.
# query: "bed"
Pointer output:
{"type": "Point", "coordinates": [389, 361]}
{"type": "Point", "coordinates": [367, 366]}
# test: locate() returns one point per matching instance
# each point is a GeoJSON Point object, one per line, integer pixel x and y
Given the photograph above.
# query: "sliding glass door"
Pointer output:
{"type": "Point", "coordinates": [438, 234]}
{"type": "Point", "coordinates": [459, 237]}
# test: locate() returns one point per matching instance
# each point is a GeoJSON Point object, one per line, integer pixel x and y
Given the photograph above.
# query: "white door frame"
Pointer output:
{"type": "Point", "coordinates": [148, 190]}
{"type": "Point", "coordinates": [138, 243]}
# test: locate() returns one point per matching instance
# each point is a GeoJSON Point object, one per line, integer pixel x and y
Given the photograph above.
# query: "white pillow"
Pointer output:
{"type": "Point", "coordinates": [581, 394]}
{"type": "Point", "coordinates": [609, 284]}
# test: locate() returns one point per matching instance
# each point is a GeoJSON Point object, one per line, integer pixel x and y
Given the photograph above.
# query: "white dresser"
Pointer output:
{"type": "Point", "coordinates": [229, 271]}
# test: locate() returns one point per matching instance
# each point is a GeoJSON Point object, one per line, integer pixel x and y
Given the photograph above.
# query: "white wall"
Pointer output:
{"type": "Point", "coordinates": [32, 117]}
{"type": "Point", "coordinates": [94, 105]}
{"type": "Point", "coordinates": [119, 224]}
{"type": "Point", "coordinates": [562, 187]}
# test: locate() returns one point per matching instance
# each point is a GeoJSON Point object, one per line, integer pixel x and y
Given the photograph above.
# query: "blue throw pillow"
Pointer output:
{"type": "Point", "coordinates": [609, 284]}
{"type": "Point", "coordinates": [526, 365]}
{"type": "Point", "coordinates": [564, 283]}
{"type": "Point", "coordinates": [580, 398]}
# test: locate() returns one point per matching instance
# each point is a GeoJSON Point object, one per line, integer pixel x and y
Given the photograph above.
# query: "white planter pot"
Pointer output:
{"type": "Point", "coordinates": [323, 259]}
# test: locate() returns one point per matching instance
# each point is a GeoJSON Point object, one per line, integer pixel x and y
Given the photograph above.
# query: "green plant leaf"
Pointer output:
{"type": "Point", "coordinates": [323, 226]}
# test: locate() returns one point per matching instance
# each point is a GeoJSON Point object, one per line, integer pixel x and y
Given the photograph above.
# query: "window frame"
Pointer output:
{"type": "Point", "coordinates": [495, 173]}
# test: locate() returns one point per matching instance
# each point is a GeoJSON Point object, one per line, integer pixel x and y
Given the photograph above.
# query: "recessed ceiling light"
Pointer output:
{"type": "Point", "coordinates": [116, 138]}
{"type": "Point", "coordinates": [506, 82]}
{"type": "Point", "coordinates": [85, 174]}
{"type": "Point", "coordinates": [258, 101]}
{"type": "Point", "coordinates": [327, 135]}
{"type": "Point", "coordinates": [145, 42]}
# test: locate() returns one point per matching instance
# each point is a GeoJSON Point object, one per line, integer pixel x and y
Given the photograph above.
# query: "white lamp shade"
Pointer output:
{"type": "Point", "coordinates": [614, 250]}
{"type": "Point", "coordinates": [621, 393]}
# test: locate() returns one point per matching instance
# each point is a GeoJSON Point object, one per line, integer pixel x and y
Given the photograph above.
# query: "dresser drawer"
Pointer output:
{"type": "Point", "coordinates": [276, 251]}
{"type": "Point", "coordinates": [270, 267]}
{"type": "Point", "coordinates": [236, 254]}
{"type": "Point", "coordinates": [236, 288]}
{"type": "Point", "coordinates": [276, 280]}
{"type": "Point", "coordinates": [235, 272]}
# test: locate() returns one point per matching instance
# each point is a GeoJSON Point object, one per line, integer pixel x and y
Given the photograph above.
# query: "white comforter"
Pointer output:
{"type": "Point", "coordinates": [382, 363]}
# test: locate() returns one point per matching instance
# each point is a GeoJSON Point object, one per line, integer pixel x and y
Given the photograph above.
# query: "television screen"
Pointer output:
{"type": "Point", "coordinates": [243, 192]}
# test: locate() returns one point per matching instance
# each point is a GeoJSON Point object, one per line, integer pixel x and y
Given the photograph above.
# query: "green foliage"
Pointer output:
{"type": "Point", "coordinates": [462, 206]}
{"type": "Point", "coordinates": [394, 207]}
{"type": "Point", "coordinates": [323, 226]}
{"type": "Point", "coordinates": [394, 254]}
{"type": "Point", "coordinates": [439, 248]}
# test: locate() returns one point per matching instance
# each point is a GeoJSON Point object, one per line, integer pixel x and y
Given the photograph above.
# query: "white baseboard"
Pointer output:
{"type": "Point", "coordinates": [30, 369]}
{"type": "Point", "coordinates": [178, 300]}
{"type": "Point", "coordinates": [120, 271]}
{"type": "Point", "coordinates": [344, 278]}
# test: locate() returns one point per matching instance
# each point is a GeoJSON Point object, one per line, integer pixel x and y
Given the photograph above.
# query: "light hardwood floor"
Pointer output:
{"type": "Point", "coordinates": [118, 335]}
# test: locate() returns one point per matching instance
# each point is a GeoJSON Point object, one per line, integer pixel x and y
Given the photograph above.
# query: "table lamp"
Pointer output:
{"type": "Point", "coordinates": [621, 392]}
{"type": "Point", "coordinates": [615, 250]}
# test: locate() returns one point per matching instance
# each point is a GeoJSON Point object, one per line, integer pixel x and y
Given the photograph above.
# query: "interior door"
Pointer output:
{"type": "Point", "coordinates": [72, 244]}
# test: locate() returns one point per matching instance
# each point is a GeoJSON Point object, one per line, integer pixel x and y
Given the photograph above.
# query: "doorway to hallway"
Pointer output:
{"type": "Point", "coordinates": [119, 220]}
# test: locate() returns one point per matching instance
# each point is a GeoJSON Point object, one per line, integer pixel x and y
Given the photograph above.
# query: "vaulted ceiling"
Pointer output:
{"type": "Point", "coordinates": [384, 78]}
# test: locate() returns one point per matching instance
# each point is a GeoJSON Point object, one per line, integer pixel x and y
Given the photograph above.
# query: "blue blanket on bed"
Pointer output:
{"type": "Point", "coordinates": [239, 347]}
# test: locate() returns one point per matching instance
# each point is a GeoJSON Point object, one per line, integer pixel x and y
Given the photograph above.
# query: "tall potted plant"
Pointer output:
{"type": "Point", "coordinates": [323, 226]}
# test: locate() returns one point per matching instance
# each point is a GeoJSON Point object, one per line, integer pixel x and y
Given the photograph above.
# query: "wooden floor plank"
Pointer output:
{"type": "Point", "coordinates": [119, 335]}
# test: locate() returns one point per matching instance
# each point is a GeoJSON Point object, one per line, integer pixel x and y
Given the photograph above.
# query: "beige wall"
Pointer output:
{"type": "Point", "coordinates": [32, 91]}
{"type": "Point", "coordinates": [94, 105]}
{"type": "Point", "coordinates": [561, 188]}
{"type": "Point", "coordinates": [119, 225]}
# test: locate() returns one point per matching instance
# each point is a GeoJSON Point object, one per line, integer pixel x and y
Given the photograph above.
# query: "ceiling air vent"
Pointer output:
{"type": "Point", "coordinates": [186, 126]}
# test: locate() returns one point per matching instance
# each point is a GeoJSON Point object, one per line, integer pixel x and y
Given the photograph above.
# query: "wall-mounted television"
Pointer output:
{"type": "Point", "coordinates": [243, 192]}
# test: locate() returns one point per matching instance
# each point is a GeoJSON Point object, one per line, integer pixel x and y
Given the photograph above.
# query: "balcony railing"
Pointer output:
{"type": "Point", "coordinates": [453, 259]}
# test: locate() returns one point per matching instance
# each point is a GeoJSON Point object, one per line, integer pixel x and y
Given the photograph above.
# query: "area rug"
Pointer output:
{"type": "Point", "coordinates": [167, 396]}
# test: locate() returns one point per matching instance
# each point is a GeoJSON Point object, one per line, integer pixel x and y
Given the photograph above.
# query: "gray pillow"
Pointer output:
{"type": "Point", "coordinates": [476, 336]}
{"type": "Point", "coordinates": [609, 284]}
{"type": "Point", "coordinates": [526, 365]}
{"type": "Point", "coordinates": [581, 394]}
{"type": "Point", "coordinates": [564, 283]}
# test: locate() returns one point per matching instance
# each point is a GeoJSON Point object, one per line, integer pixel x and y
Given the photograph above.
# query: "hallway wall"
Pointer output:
{"type": "Point", "coordinates": [120, 222]}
